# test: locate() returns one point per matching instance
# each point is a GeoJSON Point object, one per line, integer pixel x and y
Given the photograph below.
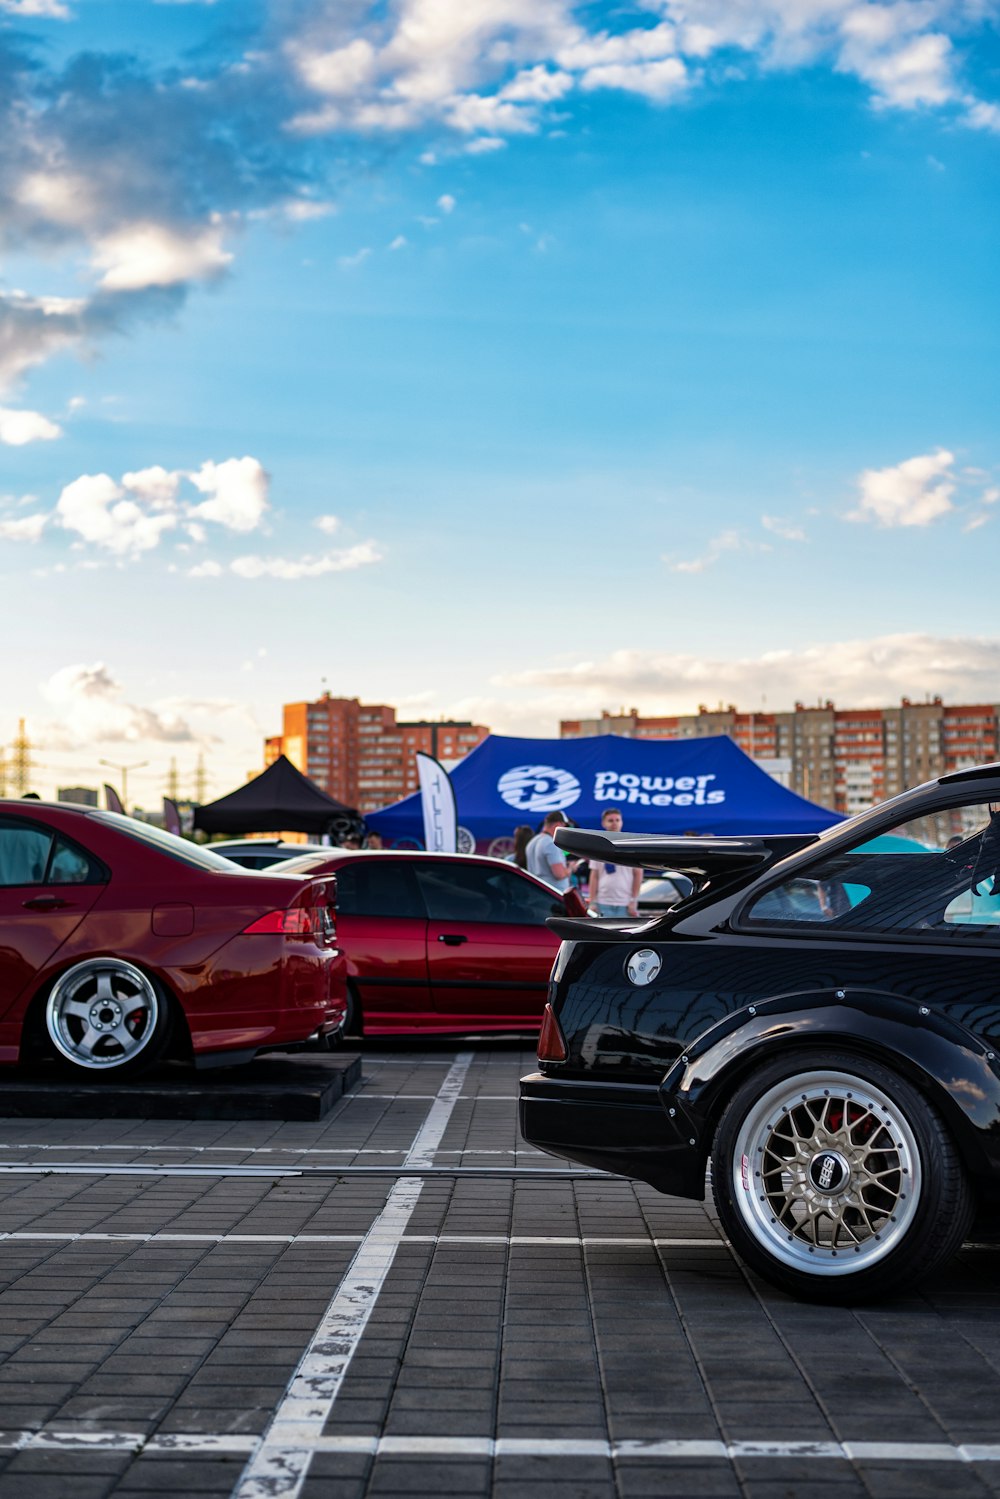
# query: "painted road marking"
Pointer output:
{"type": "Point", "coordinates": [494, 1447]}
{"type": "Point", "coordinates": [278, 1468]}
{"type": "Point", "coordinates": [586, 1242]}
{"type": "Point", "coordinates": [271, 1149]}
{"type": "Point", "coordinates": [152, 1168]}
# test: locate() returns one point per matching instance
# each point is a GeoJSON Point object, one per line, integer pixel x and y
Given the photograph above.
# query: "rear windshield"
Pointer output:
{"type": "Point", "coordinates": [301, 864]}
{"type": "Point", "coordinates": [167, 843]}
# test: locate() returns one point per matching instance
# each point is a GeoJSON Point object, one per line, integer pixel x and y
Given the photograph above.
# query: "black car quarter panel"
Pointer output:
{"type": "Point", "coordinates": [725, 1002]}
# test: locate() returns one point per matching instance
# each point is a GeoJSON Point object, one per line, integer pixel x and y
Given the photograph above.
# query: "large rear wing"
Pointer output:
{"type": "Point", "coordinates": [701, 859]}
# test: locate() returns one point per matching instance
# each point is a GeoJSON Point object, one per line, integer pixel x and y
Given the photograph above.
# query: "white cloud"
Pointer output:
{"type": "Point", "coordinates": [33, 329]}
{"type": "Point", "coordinates": [901, 73]}
{"type": "Point", "coordinates": [601, 50]}
{"type": "Point", "coordinates": [328, 524]}
{"type": "Point", "coordinates": [446, 203]}
{"type": "Point", "coordinates": [484, 144]}
{"type": "Point", "coordinates": [92, 711]}
{"type": "Point", "coordinates": [149, 254]}
{"type": "Point", "coordinates": [342, 72]}
{"type": "Point", "coordinates": [855, 673]}
{"type": "Point", "coordinates": [99, 511]}
{"type": "Point", "coordinates": [237, 490]}
{"type": "Point", "coordinates": [27, 528]}
{"type": "Point", "coordinates": [655, 80]}
{"type": "Point", "coordinates": [20, 427]}
{"type": "Point", "coordinates": [488, 113]}
{"type": "Point", "coordinates": [399, 243]}
{"type": "Point", "coordinates": [206, 570]}
{"type": "Point", "coordinates": [156, 486]}
{"type": "Point", "coordinates": [132, 516]}
{"type": "Point", "coordinates": [305, 210]}
{"type": "Point", "coordinates": [289, 569]}
{"type": "Point", "coordinates": [786, 529]}
{"type": "Point", "coordinates": [538, 85]}
{"type": "Point", "coordinates": [982, 116]}
{"type": "Point", "coordinates": [350, 262]}
{"type": "Point", "coordinates": [52, 10]}
{"type": "Point", "coordinates": [727, 541]}
{"type": "Point", "coordinates": [912, 493]}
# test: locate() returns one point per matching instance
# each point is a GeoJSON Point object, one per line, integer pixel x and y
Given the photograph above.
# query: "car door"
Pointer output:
{"type": "Point", "coordinates": [47, 886]}
{"type": "Point", "coordinates": [382, 928]}
{"type": "Point", "coordinates": [489, 952]}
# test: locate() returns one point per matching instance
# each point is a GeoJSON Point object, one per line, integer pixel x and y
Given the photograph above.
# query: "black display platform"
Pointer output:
{"type": "Point", "coordinates": [282, 1086]}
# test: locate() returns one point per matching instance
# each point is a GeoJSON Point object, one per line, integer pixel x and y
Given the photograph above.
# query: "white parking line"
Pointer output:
{"type": "Point", "coordinates": [489, 1447]}
{"type": "Point", "coordinates": [165, 1236]}
{"type": "Point", "coordinates": [351, 1150]}
{"type": "Point", "coordinates": [279, 1466]}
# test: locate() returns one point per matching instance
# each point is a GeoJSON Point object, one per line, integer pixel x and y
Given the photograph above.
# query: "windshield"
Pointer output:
{"type": "Point", "coordinates": [168, 843]}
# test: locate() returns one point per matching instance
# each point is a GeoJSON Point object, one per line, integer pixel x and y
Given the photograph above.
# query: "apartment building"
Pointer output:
{"type": "Point", "coordinates": [359, 753]}
{"type": "Point", "coordinates": [843, 758]}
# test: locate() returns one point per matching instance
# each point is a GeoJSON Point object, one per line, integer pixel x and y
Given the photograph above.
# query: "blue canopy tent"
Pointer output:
{"type": "Point", "coordinates": [660, 785]}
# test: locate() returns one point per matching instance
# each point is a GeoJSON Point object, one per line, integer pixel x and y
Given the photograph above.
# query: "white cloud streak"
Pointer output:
{"type": "Point", "coordinates": [912, 493]}
{"type": "Point", "coordinates": [20, 427]}
{"type": "Point", "coordinates": [855, 673]}
{"type": "Point", "coordinates": [92, 710]}
{"type": "Point", "coordinates": [349, 559]}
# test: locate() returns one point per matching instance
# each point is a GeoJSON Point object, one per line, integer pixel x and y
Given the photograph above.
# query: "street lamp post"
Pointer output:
{"type": "Point", "coordinates": [123, 771]}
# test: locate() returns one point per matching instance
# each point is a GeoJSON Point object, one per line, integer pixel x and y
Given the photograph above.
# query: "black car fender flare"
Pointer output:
{"type": "Point", "coordinates": [949, 1065]}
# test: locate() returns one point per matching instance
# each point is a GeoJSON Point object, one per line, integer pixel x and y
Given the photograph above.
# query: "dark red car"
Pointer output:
{"type": "Point", "coordinates": [121, 944]}
{"type": "Point", "coordinates": [440, 942]}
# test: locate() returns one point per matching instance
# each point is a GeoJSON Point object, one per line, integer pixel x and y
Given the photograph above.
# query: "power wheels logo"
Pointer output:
{"type": "Point", "coordinates": [538, 788]}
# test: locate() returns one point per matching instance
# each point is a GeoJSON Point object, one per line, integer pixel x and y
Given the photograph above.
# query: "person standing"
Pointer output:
{"type": "Point", "coordinates": [614, 888]}
{"type": "Point", "coordinates": [522, 837]}
{"type": "Point", "coordinates": [544, 859]}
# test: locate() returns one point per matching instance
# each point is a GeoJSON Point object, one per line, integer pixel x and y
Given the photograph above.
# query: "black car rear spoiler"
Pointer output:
{"type": "Point", "coordinates": [700, 858]}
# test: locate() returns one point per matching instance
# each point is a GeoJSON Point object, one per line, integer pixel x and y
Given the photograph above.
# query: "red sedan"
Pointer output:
{"type": "Point", "coordinates": [440, 942]}
{"type": "Point", "coordinates": [121, 944]}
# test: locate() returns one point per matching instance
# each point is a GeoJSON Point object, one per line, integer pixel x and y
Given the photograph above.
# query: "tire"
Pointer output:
{"type": "Point", "coordinates": [353, 1024]}
{"type": "Point", "coordinates": [836, 1180]}
{"type": "Point", "coordinates": [106, 1017]}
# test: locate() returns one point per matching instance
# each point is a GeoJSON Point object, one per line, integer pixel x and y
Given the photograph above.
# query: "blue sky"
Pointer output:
{"type": "Point", "coordinates": [505, 359]}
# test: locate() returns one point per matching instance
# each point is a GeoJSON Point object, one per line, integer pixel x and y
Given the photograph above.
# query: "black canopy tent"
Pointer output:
{"type": "Point", "coordinates": [280, 800]}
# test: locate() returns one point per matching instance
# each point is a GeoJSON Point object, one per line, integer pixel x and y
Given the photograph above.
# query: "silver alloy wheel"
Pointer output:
{"type": "Point", "coordinates": [826, 1173]}
{"type": "Point", "coordinates": [102, 1013]}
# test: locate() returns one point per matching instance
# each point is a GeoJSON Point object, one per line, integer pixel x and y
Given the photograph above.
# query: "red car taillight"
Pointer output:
{"type": "Point", "coordinates": [299, 921]}
{"type": "Point", "coordinates": [551, 1041]}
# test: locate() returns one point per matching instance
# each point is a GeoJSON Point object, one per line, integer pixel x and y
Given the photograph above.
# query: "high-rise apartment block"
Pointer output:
{"type": "Point", "coordinates": [358, 752]}
{"type": "Point", "coordinates": [844, 758]}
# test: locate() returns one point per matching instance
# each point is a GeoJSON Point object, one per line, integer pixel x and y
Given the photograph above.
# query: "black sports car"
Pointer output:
{"type": "Point", "coordinates": [820, 1018]}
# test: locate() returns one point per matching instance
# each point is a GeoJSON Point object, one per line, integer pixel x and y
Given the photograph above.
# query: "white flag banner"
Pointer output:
{"type": "Point", "coordinates": [438, 802]}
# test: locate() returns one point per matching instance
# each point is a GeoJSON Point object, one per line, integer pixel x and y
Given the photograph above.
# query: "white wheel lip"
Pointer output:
{"type": "Point", "coordinates": [772, 1237]}
{"type": "Point", "coordinates": [63, 989]}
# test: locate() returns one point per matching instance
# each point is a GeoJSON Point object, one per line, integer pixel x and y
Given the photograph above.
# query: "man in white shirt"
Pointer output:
{"type": "Point", "coordinates": [544, 859]}
{"type": "Point", "coordinates": [614, 888]}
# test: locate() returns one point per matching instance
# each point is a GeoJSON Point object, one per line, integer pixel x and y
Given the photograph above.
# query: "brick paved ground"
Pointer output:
{"type": "Point", "coordinates": [572, 1322]}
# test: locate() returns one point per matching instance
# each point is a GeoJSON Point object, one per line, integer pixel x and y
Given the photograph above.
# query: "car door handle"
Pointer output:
{"type": "Point", "coordinates": [45, 903]}
{"type": "Point", "coordinates": [452, 939]}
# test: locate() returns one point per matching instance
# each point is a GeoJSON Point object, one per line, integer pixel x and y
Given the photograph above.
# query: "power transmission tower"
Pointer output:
{"type": "Point", "coordinates": [23, 764]}
{"type": "Point", "coordinates": [172, 789]}
{"type": "Point", "coordinates": [200, 780]}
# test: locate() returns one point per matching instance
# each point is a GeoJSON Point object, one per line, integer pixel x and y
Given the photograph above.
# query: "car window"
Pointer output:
{"type": "Point", "coordinates": [24, 853]}
{"type": "Point", "coordinates": [478, 892]}
{"type": "Point", "coordinates": [377, 887]}
{"type": "Point", "coordinates": [33, 855]}
{"type": "Point", "coordinates": [69, 865]}
{"type": "Point", "coordinates": [181, 849]}
{"type": "Point", "coordinates": [934, 875]}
